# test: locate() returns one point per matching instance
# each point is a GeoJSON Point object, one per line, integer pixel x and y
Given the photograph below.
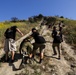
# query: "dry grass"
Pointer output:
{"type": "Point", "coordinates": [25, 27]}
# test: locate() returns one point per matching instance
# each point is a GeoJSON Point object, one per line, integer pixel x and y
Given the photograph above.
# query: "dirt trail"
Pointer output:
{"type": "Point", "coordinates": [50, 66]}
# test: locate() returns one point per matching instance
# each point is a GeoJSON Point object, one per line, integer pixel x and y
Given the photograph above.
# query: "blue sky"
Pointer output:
{"type": "Point", "coordinates": [22, 9]}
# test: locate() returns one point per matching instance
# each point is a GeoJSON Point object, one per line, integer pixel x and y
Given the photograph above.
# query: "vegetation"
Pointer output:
{"type": "Point", "coordinates": [14, 19]}
{"type": "Point", "coordinates": [70, 31]}
{"type": "Point", "coordinates": [36, 18]}
{"type": "Point", "coordinates": [25, 27]}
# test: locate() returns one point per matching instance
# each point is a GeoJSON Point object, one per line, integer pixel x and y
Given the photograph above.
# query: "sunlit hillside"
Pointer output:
{"type": "Point", "coordinates": [25, 27]}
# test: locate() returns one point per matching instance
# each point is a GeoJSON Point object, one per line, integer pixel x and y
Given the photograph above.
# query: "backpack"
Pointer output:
{"type": "Point", "coordinates": [6, 34]}
{"type": "Point", "coordinates": [58, 39]}
{"type": "Point", "coordinates": [41, 40]}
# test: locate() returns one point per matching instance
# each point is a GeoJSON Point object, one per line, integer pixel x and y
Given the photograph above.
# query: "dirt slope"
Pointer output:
{"type": "Point", "coordinates": [50, 65]}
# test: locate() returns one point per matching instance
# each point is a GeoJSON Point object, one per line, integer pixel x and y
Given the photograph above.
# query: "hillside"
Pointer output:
{"type": "Point", "coordinates": [25, 27]}
{"type": "Point", "coordinates": [50, 65]}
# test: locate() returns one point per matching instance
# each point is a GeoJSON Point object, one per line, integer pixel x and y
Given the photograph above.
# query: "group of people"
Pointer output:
{"type": "Point", "coordinates": [10, 45]}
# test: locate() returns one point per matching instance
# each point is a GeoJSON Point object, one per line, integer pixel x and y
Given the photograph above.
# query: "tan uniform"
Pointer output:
{"type": "Point", "coordinates": [27, 47]}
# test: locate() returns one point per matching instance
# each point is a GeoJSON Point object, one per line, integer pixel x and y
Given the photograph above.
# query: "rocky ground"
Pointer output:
{"type": "Point", "coordinates": [51, 65]}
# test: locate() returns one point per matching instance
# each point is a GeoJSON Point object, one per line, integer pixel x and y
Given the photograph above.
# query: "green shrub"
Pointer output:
{"type": "Point", "coordinates": [70, 31]}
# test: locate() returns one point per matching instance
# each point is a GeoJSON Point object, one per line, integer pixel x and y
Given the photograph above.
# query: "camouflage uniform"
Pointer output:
{"type": "Point", "coordinates": [27, 47]}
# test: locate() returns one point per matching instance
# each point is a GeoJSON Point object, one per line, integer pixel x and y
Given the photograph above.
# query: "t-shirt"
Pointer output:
{"type": "Point", "coordinates": [57, 39]}
{"type": "Point", "coordinates": [54, 33]}
{"type": "Point", "coordinates": [11, 32]}
{"type": "Point", "coordinates": [38, 39]}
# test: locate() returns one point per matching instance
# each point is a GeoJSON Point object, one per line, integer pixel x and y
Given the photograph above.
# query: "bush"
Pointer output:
{"type": "Point", "coordinates": [70, 31]}
{"type": "Point", "coordinates": [14, 19]}
{"type": "Point", "coordinates": [61, 17]}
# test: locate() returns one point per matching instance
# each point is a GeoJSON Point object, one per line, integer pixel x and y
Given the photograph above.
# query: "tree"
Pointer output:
{"type": "Point", "coordinates": [31, 19]}
{"type": "Point", "coordinates": [40, 16]}
{"type": "Point", "coordinates": [61, 17]}
{"type": "Point", "coordinates": [14, 19]}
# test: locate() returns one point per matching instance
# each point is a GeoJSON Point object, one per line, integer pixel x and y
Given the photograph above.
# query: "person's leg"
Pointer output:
{"type": "Point", "coordinates": [6, 56]}
{"type": "Point", "coordinates": [35, 47]}
{"type": "Point", "coordinates": [31, 55]}
{"type": "Point", "coordinates": [41, 52]}
{"type": "Point", "coordinates": [58, 47]}
{"type": "Point", "coordinates": [13, 54]}
{"type": "Point", "coordinates": [12, 48]}
{"type": "Point", "coordinates": [20, 49]}
{"type": "Point", "coordinates": [6, 48]}
{"type": "Point", "coordinates": [54, 50]}
{"type": "Point", "coordinates": [41, 55]}
{"type": "Point", "coordinates": [61, 46]}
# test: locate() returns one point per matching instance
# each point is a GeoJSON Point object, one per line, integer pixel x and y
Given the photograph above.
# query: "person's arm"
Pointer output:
{"type": "Point", "coordinates": [19, 31]}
